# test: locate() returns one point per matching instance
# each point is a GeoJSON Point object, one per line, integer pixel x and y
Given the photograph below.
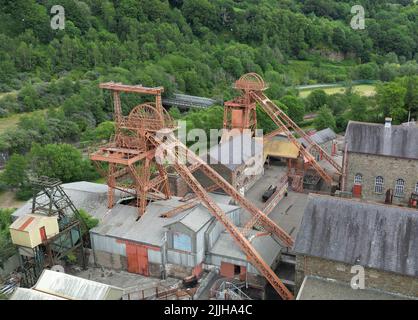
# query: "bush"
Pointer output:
{"type": "Point", "coordinates": [89, 221]}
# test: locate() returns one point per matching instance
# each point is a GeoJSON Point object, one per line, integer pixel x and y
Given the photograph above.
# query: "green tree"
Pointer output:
{"type": "Point", "coordinates": [316, 100]}
{"type": "Point", "coordinates": [391, 101]}
{"type": "Point", "coordinates": [325, 119]}
{"type": "Point", "coordinates": [411, 96]}
{"type": "Point", "coordinates": [295, 107]}
{"type": "Point", "coordinates": [61, 161]}
{"type": "Point", "coordinates": [14, 174]}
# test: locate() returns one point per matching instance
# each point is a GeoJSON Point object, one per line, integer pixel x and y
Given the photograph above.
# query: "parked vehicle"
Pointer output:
{"type": "Point", "coordinates": [269, 192]}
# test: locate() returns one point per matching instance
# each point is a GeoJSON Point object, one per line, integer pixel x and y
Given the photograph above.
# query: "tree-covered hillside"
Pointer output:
{"type": "Point", "coordinates": [197, 47]}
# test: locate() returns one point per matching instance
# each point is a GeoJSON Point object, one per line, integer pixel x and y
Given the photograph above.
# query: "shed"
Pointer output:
{"type": "Point", "coordinates": [320, 137]}
{"type": "Point", "coordinates": [31, 230]}
{"type": "Point", "coordinates": [74, 288]}
{"type": "Point", "coordinates": [226, 251]}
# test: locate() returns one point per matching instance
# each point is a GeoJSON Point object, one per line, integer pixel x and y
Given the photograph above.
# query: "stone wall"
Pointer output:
{"type": "Point", "coordinates": [391, 169]}
{"type": "Point", "coordinates": [375, 279]}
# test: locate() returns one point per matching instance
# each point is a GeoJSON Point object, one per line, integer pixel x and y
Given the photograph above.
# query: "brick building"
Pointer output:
{"type": "Point", "coordinates": [337, 234]}
{"type": "Point", "coordinates": [381, 161]}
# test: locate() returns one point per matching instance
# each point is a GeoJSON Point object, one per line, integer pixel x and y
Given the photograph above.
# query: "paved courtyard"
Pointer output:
{"type": "Point", "coordinates": [289, 211]}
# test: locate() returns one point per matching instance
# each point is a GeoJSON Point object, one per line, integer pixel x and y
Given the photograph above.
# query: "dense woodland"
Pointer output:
{"type": "Point", "coordinates": [197, 47]}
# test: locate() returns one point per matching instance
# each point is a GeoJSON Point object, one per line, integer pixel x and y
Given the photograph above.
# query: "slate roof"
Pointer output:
{"type": "Point", "coordinates": [235, 151]}
{"type": "Point", "coordinates": [372, 235]}
{"type": "Point", "coordinates": [321, 137]}
{"type": "Point", "coordinates": [396, 141]}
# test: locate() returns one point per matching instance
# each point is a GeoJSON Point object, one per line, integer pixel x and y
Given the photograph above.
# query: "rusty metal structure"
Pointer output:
{"type": "Point", "coordinates": [127, 161]}
{"type": "Point", "coordinates": [237, 116]}
{"type": "Point", "coordinates": [240, 113]}
{"type": "Point", "coordinates": [145, 138]}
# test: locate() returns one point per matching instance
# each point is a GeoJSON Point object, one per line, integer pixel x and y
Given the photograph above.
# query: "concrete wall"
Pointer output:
{"type": "Point", "coordinates": [375, 279]}
{"type": "Point", "coordinates": [110, 260]}
{"type": "Point", "coordinates": [391, 169]}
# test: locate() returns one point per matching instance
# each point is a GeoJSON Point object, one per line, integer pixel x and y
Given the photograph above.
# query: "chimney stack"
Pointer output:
{"type": "Point", "coordinates": [388, 122]}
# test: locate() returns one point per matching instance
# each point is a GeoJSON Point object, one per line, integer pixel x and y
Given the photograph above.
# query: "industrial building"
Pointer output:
{"type": "Point", "coordinates": [239, 159]}
{"type": "Point", "coordinates": [178, 246]}
{"type": "Point", "coordinates": [381, 162]}
{"type": "Point", "coordinates": [189, 220]}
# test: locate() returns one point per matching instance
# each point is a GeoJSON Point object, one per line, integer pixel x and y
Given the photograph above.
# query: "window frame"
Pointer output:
{"type": "Point", "coordinates": [357, 181]}
{"type": "Point", "coordinates": [399, 188]}
{"type": "Point", "coordinates": [379, 185]}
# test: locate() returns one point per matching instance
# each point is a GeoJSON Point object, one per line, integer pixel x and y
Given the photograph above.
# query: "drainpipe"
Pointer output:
{"type": "Point", "coordinates": [344, 173]}
{"type": "Point", "coordinates": [164, 257]}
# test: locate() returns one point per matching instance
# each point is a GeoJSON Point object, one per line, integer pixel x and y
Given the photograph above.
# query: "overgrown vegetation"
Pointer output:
{"type": "Point", "coordinates": [89, 221]}
{"type": "Point", "coordinates": [6, 247]}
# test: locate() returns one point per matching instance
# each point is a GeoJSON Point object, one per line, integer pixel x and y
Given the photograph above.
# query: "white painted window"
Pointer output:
{"type": "Point", "coordinates": [182, 241]}
{"type": "Point", "coordinates": [416, 188]}
{"type": "Point", "coordinates": [378, 184]}
{"type": "Point", "coordinates": [400, 188]}
{"type": "Point", "coordinates": [358, 178]}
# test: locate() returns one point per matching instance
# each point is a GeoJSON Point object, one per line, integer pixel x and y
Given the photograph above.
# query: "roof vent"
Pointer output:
{"type": "Point", "coordinates": [388, 122]}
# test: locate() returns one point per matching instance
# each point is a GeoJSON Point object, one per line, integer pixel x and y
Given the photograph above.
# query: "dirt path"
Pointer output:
{"type": "Point", "coordinates": [7, 200]}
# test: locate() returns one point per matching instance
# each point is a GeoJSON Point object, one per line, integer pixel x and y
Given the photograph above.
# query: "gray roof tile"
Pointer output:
{"type": "Point", "coordinates": [369, 234]}
{"type": "Point", "coordinates": [396, 141]}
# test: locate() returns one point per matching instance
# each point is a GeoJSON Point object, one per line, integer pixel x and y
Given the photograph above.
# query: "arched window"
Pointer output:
{"type": "Point", "coordinates": [358, 178]}
{"type": "Point", "coordinates": [399, 188]}
{"type": "Point", "coordinates": [416, 188]}
{"type": "Point", "coordinates": [378, 184]}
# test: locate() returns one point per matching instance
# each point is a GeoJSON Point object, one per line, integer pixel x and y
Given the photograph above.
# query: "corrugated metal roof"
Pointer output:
{"type": "Point", "coordinates": [266, 246]}
{"type": "Point", "coordinates": [371, 138]}
{"type": "Point", "coordinates": [75, 288]}
{"type": "Point", "coordinates": [149, 229]}
{"type": "Point", "coordinates": [89, 196]}
{"type": "Point", "coordinates": [235, 151]}
{"type": "Point", "coordinates": [372, 235]}
{"type": "Point", "coordinates": [184, 100]}
{"type": "Point", "coordinates": [281, 149]}
{"type": "Point", "coordinates": [29, 294]}
{"type": "Point", "coordinates": [321, 137]}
